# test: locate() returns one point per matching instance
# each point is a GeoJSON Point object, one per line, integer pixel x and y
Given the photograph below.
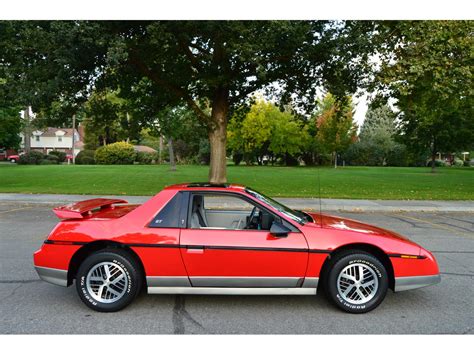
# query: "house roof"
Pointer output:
{"type": "Point", "coordinates": [144, 148]}
{"type": "Point", "coordinates": [51, 132]}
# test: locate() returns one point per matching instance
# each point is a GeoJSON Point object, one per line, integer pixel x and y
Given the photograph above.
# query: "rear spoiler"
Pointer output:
{"type": "Point", "coordinates": [82, 208]}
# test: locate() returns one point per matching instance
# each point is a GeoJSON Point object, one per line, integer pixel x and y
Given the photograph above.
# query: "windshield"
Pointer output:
{"type": "Point", "coordinates": [296, 216]}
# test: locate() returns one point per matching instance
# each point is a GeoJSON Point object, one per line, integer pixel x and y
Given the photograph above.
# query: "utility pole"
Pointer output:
{"type": "Point", "coordinates": [73, 138]}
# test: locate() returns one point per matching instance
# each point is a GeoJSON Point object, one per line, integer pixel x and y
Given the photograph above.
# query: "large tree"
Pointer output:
{"type": "Point", "coordinates": [266, 130]}
{"type": "Point", "coordinates": [336, 129]}
{"type": "Point", "coordinates": [10, 127]}
{"type": "Point", "coordinates": [428, 67]}
{"type": "Point", "coordinates": [378, 133]}
{"type": "Point", "coordinates": [214, 64]}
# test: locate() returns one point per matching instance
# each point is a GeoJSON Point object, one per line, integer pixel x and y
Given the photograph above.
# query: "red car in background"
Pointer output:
{"type": "Point", "coordinates": [202, 238]}
{"type": "Point", "coordinates": [13, 158]}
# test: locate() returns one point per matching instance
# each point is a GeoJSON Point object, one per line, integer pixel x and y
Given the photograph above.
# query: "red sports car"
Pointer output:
{"type": "Point", "coordinates": [225, 239]}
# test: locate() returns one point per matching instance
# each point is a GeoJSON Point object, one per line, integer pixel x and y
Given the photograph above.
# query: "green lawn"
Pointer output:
{"type": "Point", "coordinates": [349, 182]}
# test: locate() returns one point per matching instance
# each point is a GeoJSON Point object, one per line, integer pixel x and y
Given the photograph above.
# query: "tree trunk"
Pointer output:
{"type": "Point", "coordinates": [27, 130]}
{"type": "Point", "coordinates": [335, 160]}
{"type": "Point", "coordinates": [160, 150]}
{"type": "Point", "coordinates": [171, 152]}
{"type": "Point", "coordinates": [433, 156]}
{"type": "Point", "coordinates": [218, 137]}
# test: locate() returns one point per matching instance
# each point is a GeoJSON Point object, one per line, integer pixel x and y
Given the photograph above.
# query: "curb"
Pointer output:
{"type": "Point", "coordinates": [309, 204]}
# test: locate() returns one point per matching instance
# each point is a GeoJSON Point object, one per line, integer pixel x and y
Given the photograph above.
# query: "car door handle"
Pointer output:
{"type": "Point", "coordinates": [191, 249]}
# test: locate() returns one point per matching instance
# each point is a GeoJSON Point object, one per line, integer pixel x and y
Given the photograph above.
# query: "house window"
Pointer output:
{"type": "Point", "coordinates": [37, 138]}
{"type": "Point", "coordinates": [60, 139]}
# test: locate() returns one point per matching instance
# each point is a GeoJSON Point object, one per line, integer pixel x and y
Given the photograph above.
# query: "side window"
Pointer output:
{"type": "Point", "coordinates": [226, 211]}
{"type": "Point", "coordinates": [169, 216]}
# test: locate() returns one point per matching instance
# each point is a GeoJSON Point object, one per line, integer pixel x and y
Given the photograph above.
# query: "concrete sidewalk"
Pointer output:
{"type": "Point", "coordinates": [297, 203]}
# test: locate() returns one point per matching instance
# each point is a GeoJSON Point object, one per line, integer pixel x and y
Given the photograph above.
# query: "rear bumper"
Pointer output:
{"type": "Point", "coordinates": [54, 276]}
{"type": "Point", "coordinates": [413, 282]}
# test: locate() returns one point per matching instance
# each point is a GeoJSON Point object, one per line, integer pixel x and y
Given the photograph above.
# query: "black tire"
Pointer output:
{"type": "Point", "coordinates": [123, 261]}
{"type": "Point", "coordinates": [354, 258]}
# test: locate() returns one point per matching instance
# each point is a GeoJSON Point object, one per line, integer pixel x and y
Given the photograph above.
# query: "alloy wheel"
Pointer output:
{"type": "Point", "coordinates": [107, 282]}
{"type": "Point", "coordinates": [357, 283]}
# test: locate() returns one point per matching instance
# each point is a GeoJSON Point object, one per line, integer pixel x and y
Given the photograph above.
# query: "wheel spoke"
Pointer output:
{"type": "Point", "coordinates": [348, 276]}
{"type": "Point", "coordinates": [361, 295]}
{"type": "Point", "coordinates": [96, 278]}
{"type": "Point", "coordinates": [107, 271]}
{"type": "Point", "coordinates": [367, 284]}
{"type": "Point", "coordinates": [106, 282]}
{"type": "Point", "coordinates": [99, 292]}
{"type": "Point", "coordinates": [357, 283]}
{"type": "Point", "coordinates": [348, 290]}
{"type": "Point", "coordinates": [117, 279]}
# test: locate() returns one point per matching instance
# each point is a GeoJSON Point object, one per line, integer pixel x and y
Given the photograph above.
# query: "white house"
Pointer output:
{"type": "Point", "coordinates": [59, 139]}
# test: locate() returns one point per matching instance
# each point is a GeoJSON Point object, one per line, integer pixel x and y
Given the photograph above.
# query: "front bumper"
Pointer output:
{"type": "Point", "coordinates": [413, 282]}
{"type": "Point", "coordinates": [54, 276]}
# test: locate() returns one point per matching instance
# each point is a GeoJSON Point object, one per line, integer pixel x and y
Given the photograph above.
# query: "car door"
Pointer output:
{"type": "Point", "coordinates": [231, 256]}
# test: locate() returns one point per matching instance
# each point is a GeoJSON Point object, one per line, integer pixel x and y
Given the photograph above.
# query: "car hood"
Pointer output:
{"type": "Point", "coordinates": [339, 223]}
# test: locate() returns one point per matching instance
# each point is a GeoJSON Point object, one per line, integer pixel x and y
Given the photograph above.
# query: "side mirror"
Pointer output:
{"type": "Point", "coordinates": [279, 230]}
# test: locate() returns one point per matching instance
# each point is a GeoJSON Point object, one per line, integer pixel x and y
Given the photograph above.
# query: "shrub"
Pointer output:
{"type": "Point", "coordinates": [204, 154]}
{"type": "Point", "coordinates": [52, 158]}
{"type": "Point", "coordinates": [458, 162]}
{"type": "Point", "coordinates": [438, 163]}
{"type": "Point", "coordinates": [48, 162]}
{"type": "Point", "coordinates": [237, 157]}
{"type": "Point", "coordinates": [33, 157]}
{"type": "Point", "coordinates": [85, 157]}
{"type": "Point", "coordinates": [115, 153]}
{"type": "Point", "coordinates": [145, 157]}
{"type": "Point", "coordinates": [61, 155]}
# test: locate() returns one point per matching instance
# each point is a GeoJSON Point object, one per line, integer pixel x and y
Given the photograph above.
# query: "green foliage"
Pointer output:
{"type": "Point", "coordinates": [85, 157]}
{"type": "Point", "coordinates": [10, 126]}
{"type": "Point", "coordinates": [336, 129]}
{"type": "Point", "coordinates": [376, 145]}
{"type": "Point", "coordinates": [54, 159]}
{"type": "Point", "coordinates": [437, 162]}
{"type": "Point", "coordinates": [145, 157]}
{"type": "Point", "coordinates": [115, 153]}
{"type": "Point", "coordinates": [33, 157]}
{"type": "Point", "coordinates": [397, 156]}
{"type": "Point", "coordinates": [427, 66]}
{"type": "Point", "coordinates": [265, 130]}
{"type": "Point", "coordinates": [204, 155]}
{"type": "Point", "coordinates": [61, 156]}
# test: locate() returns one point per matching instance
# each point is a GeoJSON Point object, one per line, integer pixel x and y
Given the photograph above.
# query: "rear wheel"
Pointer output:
{"type": "Point", "coordinates": [108, 280]}
{"type": "Point", "coordinates": [357, 282]}
{"type": "Point", "coordinates": [12, 160]}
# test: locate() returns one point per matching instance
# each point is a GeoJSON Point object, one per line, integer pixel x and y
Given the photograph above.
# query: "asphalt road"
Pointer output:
{"type": "Point", "coordinates": [31, 306]}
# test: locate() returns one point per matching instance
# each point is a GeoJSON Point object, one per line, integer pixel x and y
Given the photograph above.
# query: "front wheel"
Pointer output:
{"type": "Point", "coordinates": [357, 282]}
{"type": "Point", "coordinates": [108, 280]}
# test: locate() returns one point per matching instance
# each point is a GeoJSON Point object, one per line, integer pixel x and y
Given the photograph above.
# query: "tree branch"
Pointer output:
{"type": "Point", "coordinates": [176, 90]}
{"type": "Point", "coordinates": [187, 52]}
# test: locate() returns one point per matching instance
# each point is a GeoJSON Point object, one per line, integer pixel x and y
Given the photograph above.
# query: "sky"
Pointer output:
{"type": "Point", "coordinates": [361, 106]}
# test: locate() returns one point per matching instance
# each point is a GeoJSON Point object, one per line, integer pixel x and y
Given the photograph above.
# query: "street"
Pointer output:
{"type": "Point", "coordinates": [31, 306]}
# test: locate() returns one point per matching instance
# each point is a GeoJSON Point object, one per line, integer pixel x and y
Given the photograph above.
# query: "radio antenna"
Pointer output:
{"type": "Point", "coordinates": [319, 193]}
